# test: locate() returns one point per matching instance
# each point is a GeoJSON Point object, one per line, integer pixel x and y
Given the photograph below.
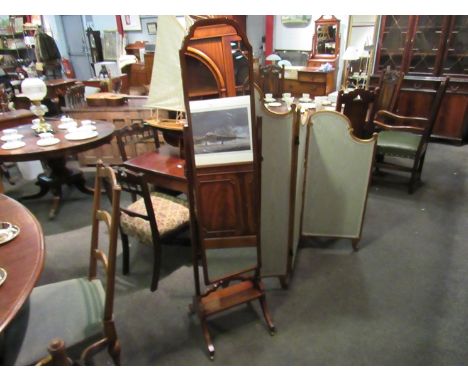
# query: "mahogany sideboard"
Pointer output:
{"type": "Point", "coordinates": [309, 80]}
{"type": "Point", "coordinates": [132, 112]}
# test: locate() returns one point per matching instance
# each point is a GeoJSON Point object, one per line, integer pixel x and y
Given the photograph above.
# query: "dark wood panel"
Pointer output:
{"type": "Point", "coordinates": [225, 202]}
{"type": "Point", "coordinates": [452, 121]}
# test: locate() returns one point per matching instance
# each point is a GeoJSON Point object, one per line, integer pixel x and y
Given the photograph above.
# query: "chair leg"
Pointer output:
{"type": "Point", "coordinates": [156, 266]}
{"type": "Point", "coordinates": [413, 179]}
{"type": "Point", "coordinates": [420, 167]}
{"type": "Point", "coordinates": [125, 253]}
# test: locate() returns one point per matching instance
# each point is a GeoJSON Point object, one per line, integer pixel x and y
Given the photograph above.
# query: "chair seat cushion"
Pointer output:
{"type": "Point", "coordinates": [397, 143]}
{"type": "Point", "coordinates": [72, 310]}
{"type": "Point", "coordinates": [171, 214]}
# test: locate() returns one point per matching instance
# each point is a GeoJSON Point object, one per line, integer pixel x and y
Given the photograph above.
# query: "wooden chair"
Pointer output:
{"type": "Point", "coordinates": [135, 139]}
{"type": "Point", "coordinates": [272, 80]}
{"type": "Point", "coordinates": [389, 85]}
{"type": "Point", "coordinates": [80, 311]}
{"type": "Point", "coordinates": [75, 96]}
{"type": "Point", "coordinates": [152, 218]}
{"type": "Point", "coordinates": [358, 105]}
{"type": "Point", "coordinates": [407, 137]}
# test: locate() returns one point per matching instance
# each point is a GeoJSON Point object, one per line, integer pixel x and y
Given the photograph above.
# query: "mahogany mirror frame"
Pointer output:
{"type": "Point", "coordinates": [220, 295]}
{"type": "Point", "coordinates": [326, 21]}
{"type": "Point", "coordinates": [191, 169]}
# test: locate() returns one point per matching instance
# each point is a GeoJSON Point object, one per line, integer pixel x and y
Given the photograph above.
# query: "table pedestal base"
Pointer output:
{"type": "Point", "coordinates": [53, 180]}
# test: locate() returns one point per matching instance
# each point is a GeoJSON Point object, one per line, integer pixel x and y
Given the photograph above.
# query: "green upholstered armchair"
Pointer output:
{"type": "Point", "coordinates": [406, 137]}
{"type": "Point", "coordinates": [79, 311]}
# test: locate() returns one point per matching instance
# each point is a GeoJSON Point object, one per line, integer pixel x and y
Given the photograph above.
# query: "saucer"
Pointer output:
{"type": "Point", "coordinates": [326, 103]}
{"type": "Point", "coordinates": [13, 232]}
{"type": "Point", "coordinates": [5, 138]}
{"type": "Point", "coordinates": [3, 275]}
{"type": "Point", "coordinates": [268, 100]}
{"type": "Point", "coordinates": [48, 141]}
{"type": "Point", "coordinates": [305, 100]}
{"type": "Point", "coordinates": [78, 135]}
{"type": "Point", "coordinates": [273, 104]}
{"type": "Point", "coordinates": [13, 145]}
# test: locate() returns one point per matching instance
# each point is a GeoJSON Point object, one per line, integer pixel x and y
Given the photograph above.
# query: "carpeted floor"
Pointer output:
{"type": "Point", "coordinates": [401, 300]}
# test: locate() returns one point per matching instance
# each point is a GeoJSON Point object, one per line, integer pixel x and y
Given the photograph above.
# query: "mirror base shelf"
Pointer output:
{"type": "Point", "coordinates": [219, 300]}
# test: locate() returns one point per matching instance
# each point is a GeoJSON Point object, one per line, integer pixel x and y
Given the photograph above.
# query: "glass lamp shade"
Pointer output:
{"type": "Point", "coordinates": [351, 54]}
{"type": "Point", "coordinates": [273, 57]}
{"type": "Point", "coordinates": [284, 63]}
{"type": "Point", "coordinates": [34, 88]}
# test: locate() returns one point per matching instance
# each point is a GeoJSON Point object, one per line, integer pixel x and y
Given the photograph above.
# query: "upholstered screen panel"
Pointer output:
{"type": "Point", "coordinates": [337, 178]}
{"type": "Point", "coordinates": [277, 140]}
{"type": "Point", "coordinates": [298, 202]}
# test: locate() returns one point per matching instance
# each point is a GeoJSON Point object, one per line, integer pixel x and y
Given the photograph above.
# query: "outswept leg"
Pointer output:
{"type": "Point", "coordinates": [207, 336]}
{"type": "Point", "coordinates": [266, 315]}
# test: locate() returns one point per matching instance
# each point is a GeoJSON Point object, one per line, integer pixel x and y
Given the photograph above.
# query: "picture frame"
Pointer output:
{"type": "Point", "coordinates": [296, 21]}
{"type": "Point", "coordinates": [152, 28]}
{"type": "Point", "coordinates": [131, 22]}
{"type": "Point", "coordinates": [222, 131]}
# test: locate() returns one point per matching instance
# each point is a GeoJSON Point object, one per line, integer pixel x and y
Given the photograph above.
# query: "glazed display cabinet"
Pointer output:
{"type": "Point", "coordinates": [425, 47]}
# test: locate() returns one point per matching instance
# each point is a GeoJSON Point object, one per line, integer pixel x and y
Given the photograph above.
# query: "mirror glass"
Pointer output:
{"type": "Point", "coordinates": [326, 39]}
{"type": "Point", "coordinates": [220, 139]}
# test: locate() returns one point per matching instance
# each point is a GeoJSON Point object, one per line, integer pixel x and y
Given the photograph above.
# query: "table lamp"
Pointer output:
{"type": "Point", "coordinates": [351, 54]}
{"type": "Point", "coordinates": [273, 58]}
{"type": "Point", "coordinates": [35, 89]}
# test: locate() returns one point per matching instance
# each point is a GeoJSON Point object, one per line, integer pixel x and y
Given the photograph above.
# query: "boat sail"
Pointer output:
{"type": "Point", "coordinates": [166, 92]}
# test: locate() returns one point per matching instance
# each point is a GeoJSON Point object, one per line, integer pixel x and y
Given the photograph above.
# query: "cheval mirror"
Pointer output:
{"type": "Point", "coordinates": [326, 42]}
{"type": "Point", "coordinates": [222, 167]}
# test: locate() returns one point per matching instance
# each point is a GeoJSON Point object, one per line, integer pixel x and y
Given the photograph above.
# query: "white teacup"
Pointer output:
{"type": "Point", "coordinates": [10, 132]}
{"type": "Point", "coordinates": [268, 95]}
{"type": "Point", "coordinates": [46, 136]}
{"type": "Point", "coordinates": [86, 128]}
{"type": "Point", "coordinates": [65, 119]}
{"type": "Point", "coordinates": [318, 103]}
{"type": "Point", "coordinates": [305, 95]}
{"type": "Point", "coordinates": [286, 95]}
{"type": "Point", "coordinates": [72, 127]}
{"type": "Point", "coordinates": [5, 229]}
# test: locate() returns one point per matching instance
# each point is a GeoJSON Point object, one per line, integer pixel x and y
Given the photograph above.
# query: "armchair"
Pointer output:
{"type": "Point", "coordinates": [406, 137]}
{"type": "Point", "coordinates": [359, 106]}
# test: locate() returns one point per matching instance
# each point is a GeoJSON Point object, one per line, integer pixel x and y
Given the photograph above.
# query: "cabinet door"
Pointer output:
{"type": "Point", "coordinates": [426, 46]}
{"type": "Point", "coordinates": [456, 56]}
{"type": "Point", "coordinates": [393, 42]}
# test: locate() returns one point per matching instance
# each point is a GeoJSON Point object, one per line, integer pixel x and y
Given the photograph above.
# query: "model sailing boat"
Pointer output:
{"type": "Point", "coordinates": [166, 92]}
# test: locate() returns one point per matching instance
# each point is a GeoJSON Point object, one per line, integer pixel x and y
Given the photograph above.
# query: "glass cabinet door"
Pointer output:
{"type": "Point", "coordinates": [426, 48]}
{"type": "Point", "coordinates": [455, 60]}
{"type": "Point", "coordinates": [393, 42]}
